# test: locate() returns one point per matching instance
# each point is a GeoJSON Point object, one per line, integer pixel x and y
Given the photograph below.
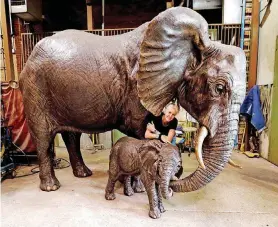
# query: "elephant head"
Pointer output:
{"type": "Point", "coordinates": [178, 60]}
{"type": "Point", "coordinates": [162, 161]}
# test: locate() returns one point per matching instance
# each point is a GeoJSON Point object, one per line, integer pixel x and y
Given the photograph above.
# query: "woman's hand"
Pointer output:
{"type": "Point", "coordinates": [151, 127]}
{"type": "Point", "coordinates": [151, 132]}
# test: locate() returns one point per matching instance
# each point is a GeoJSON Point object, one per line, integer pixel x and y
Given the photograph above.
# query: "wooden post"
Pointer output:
{"type": "Point", "coordinates": [254, 44]}
{"type": "Point", "coordinates": [169, 3]}
{"type": "Point", "coordinates": [7, 40]}
{"type": "Point", "coordinates": [90, 19]}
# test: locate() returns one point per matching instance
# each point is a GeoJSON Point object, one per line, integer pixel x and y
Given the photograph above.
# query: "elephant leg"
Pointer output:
{"type": "Point", "coordinates": [109, 191]}
{"type": "Point", "coordinates": [72, 141]}
{"type": "Point", "coordinates": [159, 195]}
{"type": "Point", "coordinates": [44, 145]}
{"type": "Point", "coordinates": [149, 184]}
{"type": "Point", "coordinates": [127, 186]}
{"type": "Point", "coordinates": [41, 129]}
{"type": "Point", "coordinates": [114, 175]}
{"type": "Point", "coordinates": [137, 185]}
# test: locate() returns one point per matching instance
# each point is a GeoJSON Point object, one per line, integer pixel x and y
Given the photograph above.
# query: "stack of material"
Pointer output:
{"type": "Point", "coordinates": [251, 108]}
{"type": "Point", "coordinates": [14, 117]}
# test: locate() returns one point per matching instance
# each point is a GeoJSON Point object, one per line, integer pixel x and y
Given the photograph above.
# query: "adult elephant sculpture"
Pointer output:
{"type": "Point", "coordinates": [76, 82]}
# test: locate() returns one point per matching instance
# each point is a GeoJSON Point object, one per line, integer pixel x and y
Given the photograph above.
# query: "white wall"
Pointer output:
{"type": "Point", "coordinates": [266, 55]}
{"type": "Point", "coordinates": [267, 42]}
{"type": "Point", "coordinates": [85, 142]}
{"type": "Point", "coordinates": [106, 139]}
{"type": "Point", "coordinates": [184, 116]}
{"type": "Point", "coordinates": [232, 11]}
{"type": "Point", "coordinates": [205, 4]}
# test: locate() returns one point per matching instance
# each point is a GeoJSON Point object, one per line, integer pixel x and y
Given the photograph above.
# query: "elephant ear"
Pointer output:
{"type": "Point", "coordinates": [150, 159]}
{"type": "Point", "coordinates": [170, 41]}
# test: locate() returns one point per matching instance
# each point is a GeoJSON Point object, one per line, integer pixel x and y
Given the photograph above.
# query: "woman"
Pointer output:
{"type": "Point", "coordinates": [163, 127]}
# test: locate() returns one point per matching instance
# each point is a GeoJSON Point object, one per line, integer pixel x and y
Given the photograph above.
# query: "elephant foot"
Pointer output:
{"type": "Point", "coordinates": [110, 196]}
{"type": "Point", "coordinates": [128, 192]}
{"type": "Point", "coordinates": [161, 208]}
{"type": "Point", "coordinates": [138, 186]}
{"type": "Point", "coordinates": [139, 189]}
{"type": "Point", "coordinates": [82, 171]}
{"type": "Point", "coordinates": [51, 184]}
{"type": "Point", "coordinates": [155, 213]}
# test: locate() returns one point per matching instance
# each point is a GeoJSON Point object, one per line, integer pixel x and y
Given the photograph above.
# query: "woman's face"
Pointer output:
{"type": "Point", "coordinates": [170, 113]}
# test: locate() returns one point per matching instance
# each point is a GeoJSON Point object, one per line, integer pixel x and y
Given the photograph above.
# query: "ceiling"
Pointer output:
{"type": "Point", "coordinates": [72, 14]}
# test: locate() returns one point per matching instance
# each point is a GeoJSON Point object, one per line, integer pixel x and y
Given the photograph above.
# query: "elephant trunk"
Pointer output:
{"type": "Point", "coordinates": [166, 191]}
{"type": "Point", "coordinates": [216, 153]}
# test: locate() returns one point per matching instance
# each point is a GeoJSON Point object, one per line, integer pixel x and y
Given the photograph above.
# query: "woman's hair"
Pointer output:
{"type": "Point", "coordinates": [174, 105]}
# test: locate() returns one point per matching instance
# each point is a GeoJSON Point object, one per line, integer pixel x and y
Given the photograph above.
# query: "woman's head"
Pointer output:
{"type": "Point", "coordinates": [170, 111]}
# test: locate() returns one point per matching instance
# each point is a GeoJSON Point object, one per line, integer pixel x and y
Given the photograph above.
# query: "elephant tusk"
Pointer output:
{"type": "Point", "coordinates": [232, 163]}
{"type": "Point", "coordinates": [202, 134]}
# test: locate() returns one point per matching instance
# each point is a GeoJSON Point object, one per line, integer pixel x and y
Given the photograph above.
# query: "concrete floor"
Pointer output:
{"type": "Point", "coordinates": [246, 197]}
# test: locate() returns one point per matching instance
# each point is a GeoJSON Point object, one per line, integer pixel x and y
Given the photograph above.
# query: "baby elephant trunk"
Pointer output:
{"type": "Point", "coordinates": [166, 191]}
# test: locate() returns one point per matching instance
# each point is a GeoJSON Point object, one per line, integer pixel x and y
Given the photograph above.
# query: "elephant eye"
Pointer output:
{"type": "Point", "coordinates": [220, 89]}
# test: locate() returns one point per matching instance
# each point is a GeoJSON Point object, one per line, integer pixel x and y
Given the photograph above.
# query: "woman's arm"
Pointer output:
{"type": "Point", "coordinates": [171, 135]}
{"type": "Point", "coordinates": [151, 132]}
{"type": "Point", "coordinates": [151, 135]}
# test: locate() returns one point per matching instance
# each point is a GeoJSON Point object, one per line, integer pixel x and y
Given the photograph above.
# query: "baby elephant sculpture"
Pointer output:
{"type": "Point", "coordinates": [156, 162]}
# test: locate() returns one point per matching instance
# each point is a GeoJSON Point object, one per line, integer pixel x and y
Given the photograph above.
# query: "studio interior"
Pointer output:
{"type": "Point", "coordinates": [139, 113]}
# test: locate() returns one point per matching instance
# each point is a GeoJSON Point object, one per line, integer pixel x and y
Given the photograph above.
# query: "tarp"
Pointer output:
{"type": "Point", "coordinates": [251, 106]}
{"type": "Point", "coordinates": [15, 118]}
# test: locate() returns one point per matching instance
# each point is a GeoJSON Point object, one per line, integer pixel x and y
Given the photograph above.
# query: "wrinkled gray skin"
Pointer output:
{"type": "Point", "coordinates": [76, 82]}
{"type": "Point", "coordinates": [156, 162]}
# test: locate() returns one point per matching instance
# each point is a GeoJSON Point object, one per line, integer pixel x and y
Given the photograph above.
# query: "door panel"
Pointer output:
{"type": "Point", "coordinates": [273, 143]}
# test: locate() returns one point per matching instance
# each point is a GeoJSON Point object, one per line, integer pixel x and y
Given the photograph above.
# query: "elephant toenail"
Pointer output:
{"type": "Point", "coordinates": [54, 187]}
{"type": "Point", "coordinates": [48, 188]}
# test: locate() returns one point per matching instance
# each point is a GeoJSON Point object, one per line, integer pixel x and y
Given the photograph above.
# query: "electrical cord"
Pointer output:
{"type": "Point", "coordinates": [28, 174]}
{"type": "Point", "coordinates": [28, 164]}
{"type": "Point", "coordinates": [57, 165]}
{"type": "Point", "coordinates": [57, 162]}
{"type": "Point", "coordinates": [33, 170]}
{"type": "Point", "coordinates": [22, 153]}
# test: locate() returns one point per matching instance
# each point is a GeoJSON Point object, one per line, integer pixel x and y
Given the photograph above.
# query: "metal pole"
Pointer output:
{"type": "Point", "coordinates": [242, 23]}
{"type": "Point", "coordinates": [102, 25]}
